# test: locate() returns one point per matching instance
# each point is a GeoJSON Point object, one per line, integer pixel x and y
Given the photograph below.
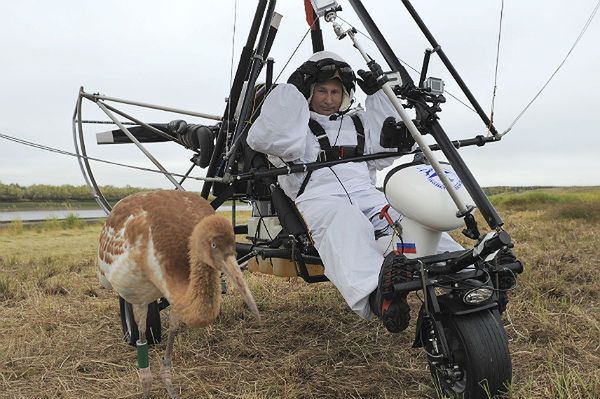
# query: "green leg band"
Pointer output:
{"type": "Point", "coordinates": [142, 354]}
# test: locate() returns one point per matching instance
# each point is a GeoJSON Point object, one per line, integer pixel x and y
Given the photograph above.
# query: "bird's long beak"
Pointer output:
{"type": "Point", "coordinates": [233, 270]}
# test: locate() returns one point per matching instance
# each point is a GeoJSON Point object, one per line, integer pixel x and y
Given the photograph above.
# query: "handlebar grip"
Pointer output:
{"type": "Point", "coordinates": [515, 267]}
{"type": "Point", "coordinates": [408, 286]}
{"type": "Point", "coordinates": [502, 239]}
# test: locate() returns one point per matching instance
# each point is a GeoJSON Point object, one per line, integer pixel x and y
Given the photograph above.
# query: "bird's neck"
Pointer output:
{"type": "Point", "coordinates": [201, 301]}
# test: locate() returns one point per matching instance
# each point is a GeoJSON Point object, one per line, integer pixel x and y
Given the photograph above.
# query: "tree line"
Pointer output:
{"type": "Point", "coordinates": [44, 192]}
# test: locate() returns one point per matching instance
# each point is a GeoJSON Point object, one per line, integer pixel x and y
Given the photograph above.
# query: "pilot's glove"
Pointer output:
{"type": "Point", "coordinates": [368, 83]}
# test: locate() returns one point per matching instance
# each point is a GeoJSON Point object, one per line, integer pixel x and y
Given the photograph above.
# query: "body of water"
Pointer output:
{"type": "Point", "coordinates": [41, 215]}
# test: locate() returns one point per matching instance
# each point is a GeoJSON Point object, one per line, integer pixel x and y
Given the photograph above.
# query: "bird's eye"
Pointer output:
{"type": "Point", "coordinates": [213, 245]}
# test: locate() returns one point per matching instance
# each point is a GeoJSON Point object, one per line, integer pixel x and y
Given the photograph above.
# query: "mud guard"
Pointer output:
{"type": "Point", "coordinates": [449, 305]}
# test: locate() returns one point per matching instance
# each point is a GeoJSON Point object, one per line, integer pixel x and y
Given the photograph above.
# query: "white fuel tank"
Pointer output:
{"type": "Point", "coordinates": [416, 191]}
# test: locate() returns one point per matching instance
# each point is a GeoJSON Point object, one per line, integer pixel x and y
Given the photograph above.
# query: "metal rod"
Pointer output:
{"type": "Point", "coordinates": [105, 122]}
{"type": "Point", "coordinates": [381, 43]}
{"type": "Point", "coordinates": [187, 173]}
{"type": "Point", "coordinates": [438, 49]}
{"type": "Point", "coordinates": [273, 28]}
{"type": "Point", "coordinates": [269, 77]}
{"type": "Point", "coordinates": [305, 167]}
{"type": "Point", "coordinates": [234, 95]}
{"type": "Point", "coordinates": [316, 35]}
{"type": "Point", "coordinates": [233, 207]}
{"type": "Point", "coordinates": [139, 145]}
{"type": "Point", "coordinates": [95, 97]}
{"type": "Point", "coordinates": [425, 67]}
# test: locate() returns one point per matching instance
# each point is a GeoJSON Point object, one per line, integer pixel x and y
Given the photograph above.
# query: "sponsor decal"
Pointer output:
{"type": "Point", "coordinates": [433, 178]}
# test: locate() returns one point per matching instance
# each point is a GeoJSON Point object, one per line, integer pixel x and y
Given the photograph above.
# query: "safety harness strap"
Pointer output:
{"type": "Point", "coordinates": [329, 153]}
{"type": "Point", "coordinates": [326, 149]}
{"type": "Point", "coordinates": [360, 134]}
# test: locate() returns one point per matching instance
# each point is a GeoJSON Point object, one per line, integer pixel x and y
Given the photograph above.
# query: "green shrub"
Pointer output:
{"type": "Point", "coordinates": [526, 199]}
{"type": "Point", "coordinates": [17, 226]}
{"type": "Point", "coordinates": [72, 221]}
{"type": "Point", "coordinates": [588, 211]}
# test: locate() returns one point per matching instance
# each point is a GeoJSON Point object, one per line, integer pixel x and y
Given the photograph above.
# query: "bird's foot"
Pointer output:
{"type": "Point", "coordinates": [145, 379]}
{"type": "Point", "coordinates": [166, 375]}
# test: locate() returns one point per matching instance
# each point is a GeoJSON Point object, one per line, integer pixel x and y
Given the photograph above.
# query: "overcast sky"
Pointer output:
{"type": "Point", "coordinates": [179, 54]}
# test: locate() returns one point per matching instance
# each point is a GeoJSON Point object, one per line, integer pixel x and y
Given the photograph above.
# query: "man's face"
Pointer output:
{"type": "Point", "coordinates": [327, 97]}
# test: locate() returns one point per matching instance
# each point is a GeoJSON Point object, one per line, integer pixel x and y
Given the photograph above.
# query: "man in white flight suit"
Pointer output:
{"type": "Point", "coordinates": [340, 204]}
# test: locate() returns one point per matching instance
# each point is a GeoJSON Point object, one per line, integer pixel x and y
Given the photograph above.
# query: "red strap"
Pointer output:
{"type": "Point", "coordinates": [384, 214]}
{"type": "Point", "coordinates": [310, 14]}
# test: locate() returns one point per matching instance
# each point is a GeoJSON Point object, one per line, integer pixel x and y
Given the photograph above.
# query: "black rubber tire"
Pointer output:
{"type": "Point", "coordinates": [480, 349]}
{"type": "Point", "coordinates": [130, 328]}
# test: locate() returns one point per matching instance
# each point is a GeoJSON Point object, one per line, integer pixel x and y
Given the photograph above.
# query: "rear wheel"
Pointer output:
{"type": "Point", "coordinates": [480, 366]}
{"type": "Point", "coordinates": [130, 328]}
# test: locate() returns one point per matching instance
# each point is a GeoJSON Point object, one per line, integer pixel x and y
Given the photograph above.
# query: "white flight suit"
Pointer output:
{"type": "Point", "coordinates": [340, 204]}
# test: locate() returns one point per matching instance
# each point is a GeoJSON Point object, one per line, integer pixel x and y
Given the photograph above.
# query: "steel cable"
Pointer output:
{"type": "Point", "coordinates": [496, 69]}
{"type": "Point", "coordinates": [585, 27]}
{"type": "Point", "coordinates": [63, 152]}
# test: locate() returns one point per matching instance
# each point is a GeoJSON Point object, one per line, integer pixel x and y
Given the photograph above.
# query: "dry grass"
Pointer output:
{"type": "Point", "coordinates": [61, 335]}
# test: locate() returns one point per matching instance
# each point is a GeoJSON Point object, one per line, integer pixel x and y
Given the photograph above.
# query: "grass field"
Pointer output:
{"type": "Point", "coordinates": [61, 334]}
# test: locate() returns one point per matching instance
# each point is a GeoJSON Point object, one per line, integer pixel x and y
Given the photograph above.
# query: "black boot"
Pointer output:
{"type": "Point", "coordinates": [394, 313]}
{"type": "Point", "coordinates": [391, 308]}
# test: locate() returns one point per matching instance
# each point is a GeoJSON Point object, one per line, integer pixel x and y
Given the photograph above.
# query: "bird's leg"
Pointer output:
{"type": "Point", "coordinates": [139, 313]}
{"type": "Point", "coordinates": [166, 367]}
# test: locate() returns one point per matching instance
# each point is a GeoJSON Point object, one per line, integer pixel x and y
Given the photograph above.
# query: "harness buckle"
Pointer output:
{"type": "Point", "coordinates": [322, 156]}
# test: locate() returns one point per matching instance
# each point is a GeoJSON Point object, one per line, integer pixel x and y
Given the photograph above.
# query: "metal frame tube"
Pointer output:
{"type": "Point", "coordinates": [305, 167]}
{"type": "Point", "coordinates": [82, 153]}
{"type": "Point", "coordinates": [273, 28]}
{"type": "Point", "coordinates": [312, 19]}
{"type": "Point", "coordinates": [139, 145]}
{"type": "Point", "coordinates": [95, 97]}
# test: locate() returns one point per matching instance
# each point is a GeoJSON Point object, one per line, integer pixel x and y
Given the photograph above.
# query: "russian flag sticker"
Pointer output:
{"type": "Point", "coordinates": [407, 248]}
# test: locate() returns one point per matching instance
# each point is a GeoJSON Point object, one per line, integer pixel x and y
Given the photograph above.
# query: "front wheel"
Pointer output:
{"type": "Point", "coordinates": [480, 366]}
